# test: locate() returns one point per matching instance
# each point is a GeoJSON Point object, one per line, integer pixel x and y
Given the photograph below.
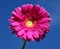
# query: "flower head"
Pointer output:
{"type": "Point", "coordinates": [30, 22]}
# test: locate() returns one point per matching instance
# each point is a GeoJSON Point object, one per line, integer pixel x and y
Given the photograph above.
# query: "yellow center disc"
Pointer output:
{"type": "Point", "coordinates": [29, 23]}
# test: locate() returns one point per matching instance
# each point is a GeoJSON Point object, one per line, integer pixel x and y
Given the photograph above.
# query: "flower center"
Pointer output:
{"type": "Point", "coordinates": [29, 23]}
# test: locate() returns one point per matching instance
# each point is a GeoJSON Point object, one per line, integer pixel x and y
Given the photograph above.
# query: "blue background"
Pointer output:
{"type": "Point", "coordinates": [9, 41]}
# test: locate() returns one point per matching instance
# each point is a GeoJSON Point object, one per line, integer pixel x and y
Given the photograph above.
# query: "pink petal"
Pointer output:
{"type": "Point", "coordinates": [35, 34]}
{"type": "Point", "coordinates": [15, 23]}
{"type": "Point", "coordinates": [21, 32]}
{"type": "Point", "coordinates": [10, 20]}
{"type": "Point", "coordinates": [43, 13]}
{"type": "Point", "coordinates": [24, 36]}
{"type": "Point", "coordinates": [29, 35]}
{"type": "Point", "coordinates": [29, 7]}
{"type": "Point", "coordinates": [35, 10]}
{"type": "Point", "coordinates": [15, 14]}
{"type": "Point", "coordinates": [42, 10]}
{"type": "Point", "coordinates": [18, 14]}
{"type": "Point", "coordinates": [18, 28]}
{"type": "Point", "coordinates": [45, 24]}
{"type": "Point", "coordinates": [17, 11]}
{"type": "Point", "coordinates": [26, 8]}
{"type": "Point", "coordinates": [40, 32]}
{"type": "Point", "coordinates": [45, 20]}
{"type": "Point", "coordinates": [46, 28]}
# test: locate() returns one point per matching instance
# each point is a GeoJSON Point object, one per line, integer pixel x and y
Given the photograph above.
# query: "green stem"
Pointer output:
{"type": "Point", "coordinates": [23, 46]}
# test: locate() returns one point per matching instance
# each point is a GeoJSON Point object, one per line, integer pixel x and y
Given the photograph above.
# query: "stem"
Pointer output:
{"type": "Point", "coordinates": [23, 46]}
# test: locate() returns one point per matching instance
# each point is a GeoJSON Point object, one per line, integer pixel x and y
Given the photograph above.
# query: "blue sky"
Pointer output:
{"type": "Point", "coordinates": [9, 41]}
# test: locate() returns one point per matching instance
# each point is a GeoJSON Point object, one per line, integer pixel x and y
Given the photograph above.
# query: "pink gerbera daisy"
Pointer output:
{"type": "Point", "coordinates": [30, 22]}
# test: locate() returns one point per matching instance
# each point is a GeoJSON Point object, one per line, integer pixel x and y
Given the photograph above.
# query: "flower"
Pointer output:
{"type": "Point", "coordinates": [30, 22]}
